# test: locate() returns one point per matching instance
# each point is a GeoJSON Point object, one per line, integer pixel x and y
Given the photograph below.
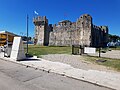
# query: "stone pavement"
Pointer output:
{"type": "Point", "coordinates": [103, 78]}
{"type": "Point", "coordinates": [14, 76]}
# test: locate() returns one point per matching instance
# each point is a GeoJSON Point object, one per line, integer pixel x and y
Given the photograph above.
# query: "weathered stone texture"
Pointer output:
{"type": "Point", "coordinates": [42, 30]}
{"type": "Point", "coordinates": [67, 33]}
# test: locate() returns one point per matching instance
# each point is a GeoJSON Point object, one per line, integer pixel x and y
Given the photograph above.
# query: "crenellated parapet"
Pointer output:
{"type": "Point", "coordinates": [40, 20]}
{"type": "Point", "coordinates": [66, 33]}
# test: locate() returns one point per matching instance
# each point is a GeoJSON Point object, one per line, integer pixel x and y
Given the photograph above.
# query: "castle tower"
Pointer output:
{"type": "Point", "coordinates": [41, 30]}
{"type": "Point", "coordinates": [84, 25]}
{"type": "Point", "coordinates": [105, 35]}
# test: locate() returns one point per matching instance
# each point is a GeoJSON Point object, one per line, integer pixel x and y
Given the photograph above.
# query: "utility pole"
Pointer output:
{"type": "Point", "coordinates": [27, 33]}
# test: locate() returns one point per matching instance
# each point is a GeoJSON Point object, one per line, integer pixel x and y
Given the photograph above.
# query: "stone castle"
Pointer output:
{"type": "Point", "coordinates": [66, 33]}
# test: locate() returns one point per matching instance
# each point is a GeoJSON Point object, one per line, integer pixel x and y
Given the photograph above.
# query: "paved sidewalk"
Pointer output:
{"type": "Point", "coordinates": [107, 79]}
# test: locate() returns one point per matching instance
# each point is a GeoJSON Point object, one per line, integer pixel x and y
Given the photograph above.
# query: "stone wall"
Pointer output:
{"type": "Point", "coordinates": [67, 33]}
{"type": "Point", "coordinates": [82, 32]}
{"type": "Point", "coordinates": [100, 36]}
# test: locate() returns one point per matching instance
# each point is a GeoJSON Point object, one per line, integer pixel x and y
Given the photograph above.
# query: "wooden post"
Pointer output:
{"type": "Point", "coordinates": [99, 51]}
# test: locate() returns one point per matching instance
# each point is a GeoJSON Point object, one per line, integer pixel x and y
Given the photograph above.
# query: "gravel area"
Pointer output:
{"type": "Point", "coordinates": [75, 61]}
{"type": "Point", "coordinates": [109, 54]}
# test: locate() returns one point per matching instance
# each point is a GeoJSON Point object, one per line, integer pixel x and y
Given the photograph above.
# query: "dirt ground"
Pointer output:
{"type": "Point", "coordinates": [76, 61]}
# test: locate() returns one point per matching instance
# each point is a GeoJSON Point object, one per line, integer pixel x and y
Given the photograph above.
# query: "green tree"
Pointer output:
{"type": "Point", "coordinates": [113, 38]}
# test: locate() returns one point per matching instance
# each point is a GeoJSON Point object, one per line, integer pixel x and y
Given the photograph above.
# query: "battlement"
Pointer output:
{"type": "Point", "coordinates": [85, 16]}
{"type": "Point", "coordinates": [65, 23]}
{"type": "Point", "coordinates": [40, 20]}
{"type": "Point", "coordinates": [104, 27]}
{"type": "Point", "coordinates": [67, 33]}
{"type": "Point", "coordinates": [96, 27]}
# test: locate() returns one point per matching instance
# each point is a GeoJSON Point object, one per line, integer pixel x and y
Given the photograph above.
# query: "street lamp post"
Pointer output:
{"type": "Point", "coordinates": [27, 33]}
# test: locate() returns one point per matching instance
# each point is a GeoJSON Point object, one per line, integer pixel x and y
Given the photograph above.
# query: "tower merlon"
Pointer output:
{"type": "Point", "coordinates": [40, 20]}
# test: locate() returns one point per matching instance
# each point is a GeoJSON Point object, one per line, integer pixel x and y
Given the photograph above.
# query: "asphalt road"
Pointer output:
{"type": "Point", "coordinates": [18, 77]}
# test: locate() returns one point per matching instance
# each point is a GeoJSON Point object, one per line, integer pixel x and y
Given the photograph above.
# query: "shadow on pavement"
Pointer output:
{"type": "Point", "coordinates": [30, 59]}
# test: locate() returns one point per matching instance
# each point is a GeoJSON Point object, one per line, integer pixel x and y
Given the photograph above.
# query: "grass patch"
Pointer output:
{"type": "Point", "coordinates": [44, 50]}
{"type": "Point", "coordinates": [112, 63]}
{"type": "Point", "coordinates": [112, 48]}
{"type": "Point", "coordinates": [104, 50]}
{"type": "Point", "coordinates": [115, 48]}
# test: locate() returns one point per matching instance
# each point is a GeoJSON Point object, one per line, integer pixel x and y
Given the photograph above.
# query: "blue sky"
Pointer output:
{"type": "Point", "coordinates": [13, 13]}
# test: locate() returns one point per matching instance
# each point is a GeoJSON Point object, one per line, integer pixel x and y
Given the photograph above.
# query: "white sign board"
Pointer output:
{"type": "Point", "coordinates": [17, 52]}
{"type": "Point", "coordinates": [89, 50]}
